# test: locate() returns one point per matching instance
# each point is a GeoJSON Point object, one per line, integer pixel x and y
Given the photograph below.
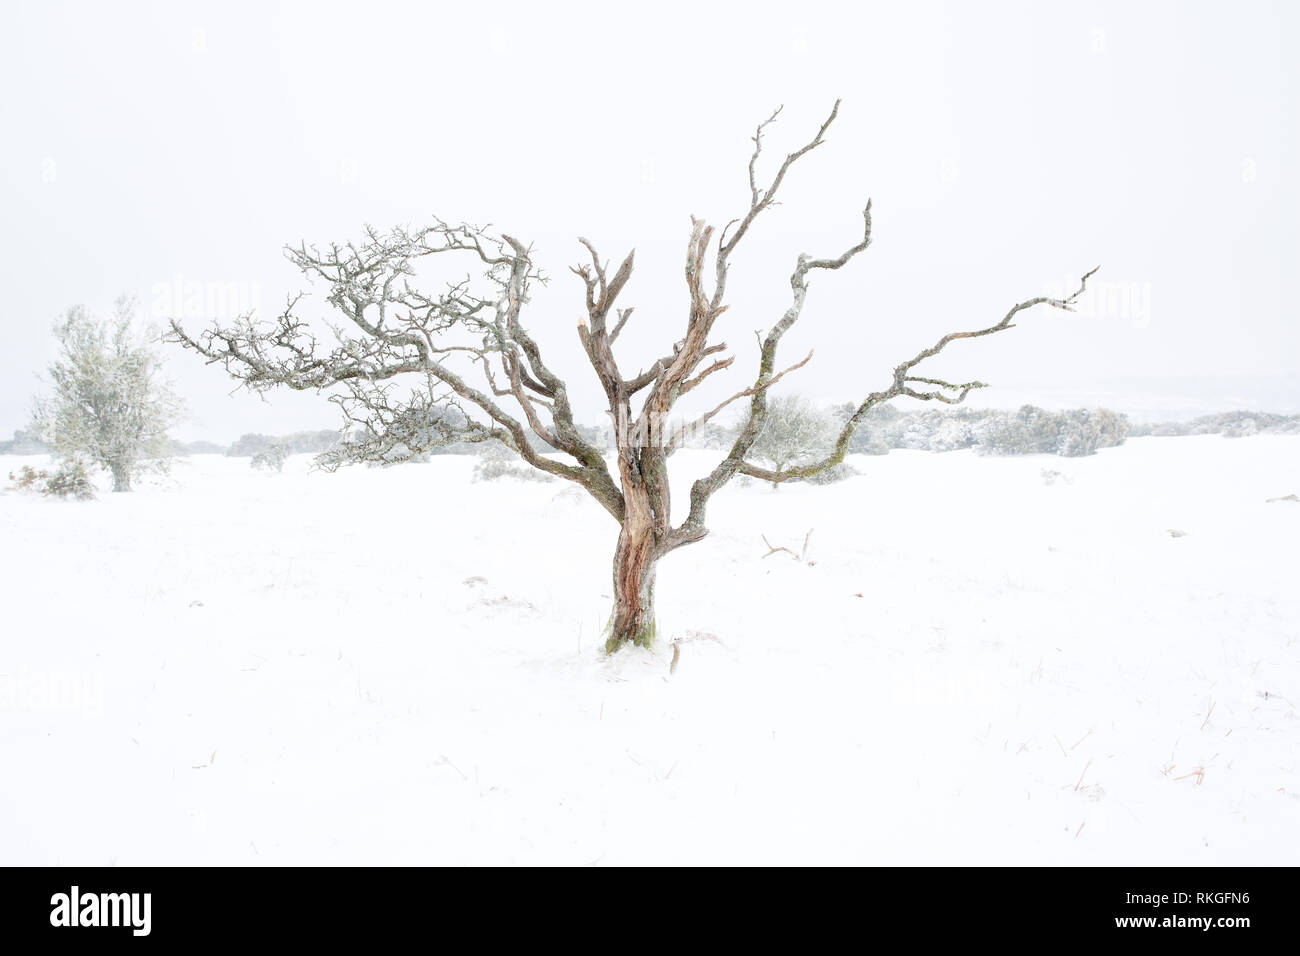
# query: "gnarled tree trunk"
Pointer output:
{"type": "Point", "coordinates": [121, 476]}
{"type": "Point", "coordinates": [642, 528]}
{"type": "Point", "coordinates": [633, 621]}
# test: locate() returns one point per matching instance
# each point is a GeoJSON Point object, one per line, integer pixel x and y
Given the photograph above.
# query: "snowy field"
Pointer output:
{"type": "Point", "coordinates": [979, 663]}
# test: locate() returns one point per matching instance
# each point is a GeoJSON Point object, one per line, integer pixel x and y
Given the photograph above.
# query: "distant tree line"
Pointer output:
{"type": "Point", "coordinates": [1028, 430]}
{"type": "Point", "coordinates": [1025, 431]}
{"type": "Point", "coordinates": [26, 441]}
{"type": "Point", "coordinates": [1228, 424]}
{"type": "Point", "coordinates": [296, 443]}
{"type": "Point", "coordinates": [1031, 430]}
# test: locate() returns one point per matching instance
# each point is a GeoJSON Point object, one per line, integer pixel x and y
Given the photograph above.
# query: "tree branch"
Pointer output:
{"type": "Point", "coordinates": [397, 331]}
{"type": "Point", "coordinates": [900, 386]}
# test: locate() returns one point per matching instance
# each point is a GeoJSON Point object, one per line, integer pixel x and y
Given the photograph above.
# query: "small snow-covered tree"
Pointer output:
{"type": "Point", "coordinates": [1038, 431]}
{"type": "Point", "coordinates": [498, 460]}
{"type": "Point", "coordinates": [1084, 431]}
{"type": "Point", "coordinates": [110, 405]}
{"type": "Point", "coordinates": [795, 431]}
{"type": "Point", "coordinates": [273, 456]}
{"type": "Point", "coordinates": [1028, 431]}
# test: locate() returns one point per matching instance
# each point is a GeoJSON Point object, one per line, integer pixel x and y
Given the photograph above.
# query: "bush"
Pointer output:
{"type": "Point", "coordinates": [1036, 431]}
{"type": "Point", "coordinates": [273, 456]}
{"type": "Point", "coordinates": [1083, 432]}
{"type": "Point", "coordinates": [498, 461]}
{"type": "Point", "coordinates": [28, 478]}
{"type": "Point", "coordinates": [794, 432]}
{"type": "Point", "coordinates": [1028, 431]}
{"type": "Point", "coordinates": [1241, 428]}
{"type": "Point", "coordinates": [68, 481]}
{"type": "Point", "coordinates": [832, 475]}
{"type": "Point", "coordinates": [866, 441]}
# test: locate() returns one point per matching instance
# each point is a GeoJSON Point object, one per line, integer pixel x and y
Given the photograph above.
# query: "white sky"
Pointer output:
{"type": "Point", "coordinates": [1008, 147]}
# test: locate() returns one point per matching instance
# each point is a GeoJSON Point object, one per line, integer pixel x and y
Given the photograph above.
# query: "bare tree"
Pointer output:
{"type": "Point", "coordinates": [479, 375]}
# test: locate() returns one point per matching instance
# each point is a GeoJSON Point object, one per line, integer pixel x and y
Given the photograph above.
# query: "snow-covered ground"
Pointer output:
{"type": "Point", "coordinates": [980, 662]}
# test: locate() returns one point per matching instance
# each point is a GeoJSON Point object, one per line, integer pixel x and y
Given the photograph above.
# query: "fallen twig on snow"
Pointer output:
{"type": "Point", "coordinates": [798, 556]}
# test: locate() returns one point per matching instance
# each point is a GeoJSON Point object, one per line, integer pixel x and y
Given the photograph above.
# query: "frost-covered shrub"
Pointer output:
{"type": "Point", "coordinates": [109, 405]}
{"type": "Point", "coordinates": [273, 456]}
{"type": "Point", "coordinates": [832, 475]}
{"type": "Point", "coordinates": [870, 443]}
{"type": "Point", "coordinates": [28, 478]}
{"type": "Point", "coordinates": [1077, 443]}
{"type": "Point", "coordinates": [1236, 424]}
{"type": "Point", "coordinates": [497, 461]}
{"type": "Point", "coordinates": [69, 480]}
{"type": "Point", "coordinates": [249, 444]}
{"type": "Point", "coordinates": [918, 431]}
{"type": "Point", "coordinates": [869, 437]}
{"type": "Point", "coordinates": [1028, 431]}
{"type": "Point", "coordinates": [1240, 428]}
{"type": "Point", "coordinates": [952, 433]}
{"type": "Point", "coordinates": [1037, 431]}
{"type": "Point", "coordinates": [1083, 432]}
{"type": "Point", "coordinates": [798, 432]}
{"type": "Point", "coordinates": [794, 432]}
{"type": "Point", "coordinates": [494, 470]}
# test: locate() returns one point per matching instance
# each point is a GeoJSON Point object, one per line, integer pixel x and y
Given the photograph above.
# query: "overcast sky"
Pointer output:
{"type": "Point", "coordinates": [170, 150]}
